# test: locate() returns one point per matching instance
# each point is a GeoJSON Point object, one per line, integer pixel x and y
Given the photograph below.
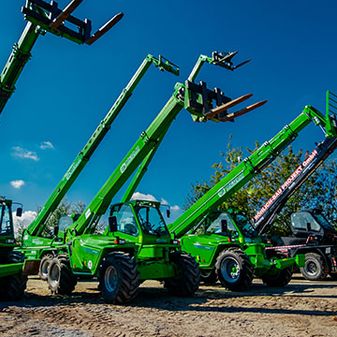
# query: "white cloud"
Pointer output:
{"type": "Point", "coordinates": [142, 196]}
{"type": "Point", "coordinates": [19, 152]}
{"type": "Point", "coordinates": [23, 221]}
{"type": "Point", "coordinates": [17, 183]}
{"type": "Point", "coordinates": [47, 145]}
{"type": "Point", "coordinates": [176, 210]}
{"type": "Point", "coordinates": [150, 197]}
{"type": "Point", "coordinates": [164, 202]}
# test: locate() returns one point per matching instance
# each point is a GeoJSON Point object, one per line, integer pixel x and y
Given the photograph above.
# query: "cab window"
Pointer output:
{"type": "Point", "coordinates": [301, 220]}
{"type": "Point", "coordinates": [126, 222]}
{"type": "Point", "coordinates": [64, 222]}
{"type": "Point", "coordinates": [5, 221]}
{"type": "Point", "coordinates": [151, 220]}
{"type": "Point", "coordinates": [216, 227]}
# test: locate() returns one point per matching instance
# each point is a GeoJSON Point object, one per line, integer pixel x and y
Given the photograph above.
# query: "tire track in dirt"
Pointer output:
{"type": "Point", "coordinates": [213, 312]}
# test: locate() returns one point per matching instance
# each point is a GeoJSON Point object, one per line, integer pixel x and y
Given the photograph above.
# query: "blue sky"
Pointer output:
{"type": "Point", "coordinates": [66, 89]}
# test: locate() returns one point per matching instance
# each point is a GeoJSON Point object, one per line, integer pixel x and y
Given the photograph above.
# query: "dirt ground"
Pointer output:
{"type": "Point", "coordinates": [299, 310]}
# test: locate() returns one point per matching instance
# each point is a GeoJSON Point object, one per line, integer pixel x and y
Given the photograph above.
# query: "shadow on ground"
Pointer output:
{"type": "Point", "coordinates": [204, 301]}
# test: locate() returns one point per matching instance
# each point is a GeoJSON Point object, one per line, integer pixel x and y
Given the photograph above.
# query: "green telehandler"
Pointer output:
{"type": "Point", "coordinates": [46, 17]}
{"type": "Point", "coordinates": [136, 244]}
{"type": "Point", "coordinates": [81, 160]}
{"type": "Point", "coordinates": [42, 17]}
{"type": "Point", "coordinates": [311, 233]}
{"type": "Point", "coordinates": [12, 279]}
{"type": "Point", "coordinates": [224, 244]}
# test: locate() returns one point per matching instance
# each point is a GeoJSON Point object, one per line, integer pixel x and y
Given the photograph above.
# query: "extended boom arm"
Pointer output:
{"type": "Point", "coordinates": [44, 17]}
{"type": "Point", "coordinates": [266, 215]}
{"type": "Point", "coordinates": [247, 169]}
{"type": "Point", "coordinates": [37, 226]}
{"type": "Point", "coordinates": [197, 99]}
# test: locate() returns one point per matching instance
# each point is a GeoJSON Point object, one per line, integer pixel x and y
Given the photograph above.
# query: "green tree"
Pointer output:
{"type": "Point", "coordinates": [65, 208]}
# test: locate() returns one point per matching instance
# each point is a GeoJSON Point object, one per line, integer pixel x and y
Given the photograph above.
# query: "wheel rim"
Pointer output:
{"type": "Point", "coordinates": [54, 276]}
{"type": "Point", "coordinates": [230, 270]}
{"type": "Point", "coordinates": [311, 268]}
{"type": "Point", "coordinates": [111, 279]}
{"type": "Point", "coordinates": [44, 268]}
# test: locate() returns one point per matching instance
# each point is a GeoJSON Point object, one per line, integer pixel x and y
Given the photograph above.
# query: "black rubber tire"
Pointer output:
{"type": "Point", "coordinates": [13, 287]}
{"type": "Point", "coordinates": [61, 280]}
{"type": "Point", "coordinates": [208, 277]}
{"type": "Point", "coordinates": [187, 280]}
{"type": "Point", "coordinates": [124, 269]}
{"type": "Point", "coordinates": [15, 257]}
{"type": "Point", "coordinates": [333, 276]}
{"type": "Point", "coordinates": [315, 268]}
{"type": "Point", "coordinates": [245, 270]}
{"type": "Point", "coordinates": [281, 279]}
{"type": "Point", "coordinates": [44, 266]}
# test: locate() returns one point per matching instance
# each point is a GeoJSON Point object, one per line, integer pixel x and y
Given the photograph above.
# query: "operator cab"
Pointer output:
{"type": "Point", "coordinates": [312, 223]}
{"type": "Point", "coordinates": [138, 217]}
{"type": "Point", "coordinates": [217, 223]}
{"type": "Point", "coordinates": [6, 220]}
{"type": "Point", "coordinates": [245, 225]}
{"type": "Point", "coordinates": [233, 225]}
{"type": "Point", "coordinates": [64, 222]}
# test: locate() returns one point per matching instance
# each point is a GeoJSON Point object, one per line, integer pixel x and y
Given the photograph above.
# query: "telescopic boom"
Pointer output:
{"type": "Point", "coordinates": [37, 226]}
{"type": "Point", "coordinates": [196, 99]}
{"type": "Point", "coordinates": [266, 215]}
{"type": "Point", "coordinates": [250, 167]}
{"type": "Point", "coordinates": [45, 17]}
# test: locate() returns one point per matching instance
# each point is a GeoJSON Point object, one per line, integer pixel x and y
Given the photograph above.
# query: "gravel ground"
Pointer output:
{"type": "Point", "coordinates": [299, 310]}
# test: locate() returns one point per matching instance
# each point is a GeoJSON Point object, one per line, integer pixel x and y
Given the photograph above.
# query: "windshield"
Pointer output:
{"type": "Point", "coordinates": [216, 226]}
{"type": "Point", "coordinates": [225, 224]}
{"type": "Point", "coordinates": [216, 223]}
{"type": "Point", "coordinates": [304, 221]}
{"type": "Point", "coordinates": [6, 227]}
{"type": "Point", "coordinates": [126, 222]}
{"type": "Point", "coordinates": [64, 222]}
{"type": "Point", "coordinates": [151, 220]}
{"type": "Point", "coordinates": [245, 225]}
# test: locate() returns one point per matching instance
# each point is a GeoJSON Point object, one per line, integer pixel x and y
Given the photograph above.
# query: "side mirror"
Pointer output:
{"type": "Point", "coordinates": [168, 213]}
{"type": "Point", "coordinates": [308, 226]}
{"type": "Point", "coordinates": [75, 216]}
{"type": "Point", "coordinates": [56, 230]}
{"type": "Point", "coordinates": [112, 224]}
{"type": "Point", "coordinates": [224, 226]}
{"type": "Point", "coordinates": [19, 212]}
